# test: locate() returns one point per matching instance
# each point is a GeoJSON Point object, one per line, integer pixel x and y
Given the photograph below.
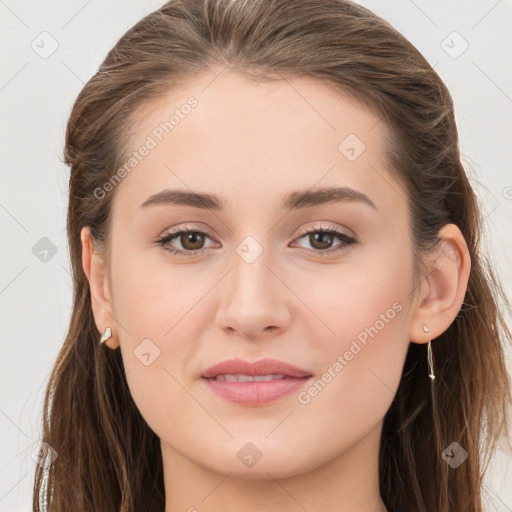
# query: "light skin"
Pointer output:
{"type": "Point", "coordinates": [252, 144]}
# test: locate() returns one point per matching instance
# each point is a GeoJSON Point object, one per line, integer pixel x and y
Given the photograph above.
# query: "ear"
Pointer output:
{"type": "Point", "coordinates": [443, 289]}
{"type": "Point", "coordinates": [97, 275]}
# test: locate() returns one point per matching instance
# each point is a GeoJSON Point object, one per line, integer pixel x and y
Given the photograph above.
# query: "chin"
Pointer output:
{"type": "Point", "coordinates": [248, 462]}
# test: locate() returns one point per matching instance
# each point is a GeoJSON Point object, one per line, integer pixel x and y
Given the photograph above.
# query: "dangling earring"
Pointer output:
{"type": "Point", "coordinates": [429, 355]}
{"type": "Point", "coordinates": [106, 335]}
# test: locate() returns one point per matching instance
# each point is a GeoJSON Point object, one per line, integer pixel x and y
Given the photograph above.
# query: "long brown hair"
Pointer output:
{"type": "Point", "coordinates": [108, 458]}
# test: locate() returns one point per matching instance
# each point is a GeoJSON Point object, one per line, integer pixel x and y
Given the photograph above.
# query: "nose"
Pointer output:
{"type": "Point", "coordinates": [255, 302]}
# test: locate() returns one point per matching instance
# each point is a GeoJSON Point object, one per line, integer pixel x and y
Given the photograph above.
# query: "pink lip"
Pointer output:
{"type": "Point", "coordinates": [255, 393]}
{"type": "Point", "coordinates": [261, 367]}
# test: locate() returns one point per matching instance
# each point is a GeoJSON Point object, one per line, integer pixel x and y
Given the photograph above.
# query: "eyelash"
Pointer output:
{"type": "Point", "coordinates": [174, 233]}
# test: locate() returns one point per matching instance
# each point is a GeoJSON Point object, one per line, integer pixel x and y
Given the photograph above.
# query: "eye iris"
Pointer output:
{"type": "Point", "coordinates": [193, 238]}
{"type": "Point", "coordinates": [325, 239]}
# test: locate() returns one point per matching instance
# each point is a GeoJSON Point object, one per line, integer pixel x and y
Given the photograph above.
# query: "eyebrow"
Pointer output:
{"type": "Point", "coordinates": [294, 201]}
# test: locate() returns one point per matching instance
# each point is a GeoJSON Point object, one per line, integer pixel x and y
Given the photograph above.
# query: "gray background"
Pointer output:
{"type": "Point", "coordinates": [36, 93]}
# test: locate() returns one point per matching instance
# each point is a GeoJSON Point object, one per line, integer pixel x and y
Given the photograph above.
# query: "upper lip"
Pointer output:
{"type": "Point", "coordinates": [261, 367]}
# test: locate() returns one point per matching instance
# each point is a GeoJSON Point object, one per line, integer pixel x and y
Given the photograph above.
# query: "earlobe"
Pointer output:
{"type": "Point", "coordinates": [444, 288]}
{"type": "Point", "coordinates": [97, 275]}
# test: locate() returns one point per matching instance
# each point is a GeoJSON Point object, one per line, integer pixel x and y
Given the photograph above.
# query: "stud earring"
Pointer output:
{"type": "Point", "coordinates": [106, 335]}
{"type": "Point", "coordinates": [430, 360]}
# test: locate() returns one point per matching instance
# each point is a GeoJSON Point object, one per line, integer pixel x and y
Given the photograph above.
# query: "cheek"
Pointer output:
{"type": "Point", "coordinates": [367, 311]}
{"type": "Point", "coordinates": [161, 313]}
{"type": "Point", "coordinates": [364, 299]}
{"type": "Point", "coordinates": [151, 298]}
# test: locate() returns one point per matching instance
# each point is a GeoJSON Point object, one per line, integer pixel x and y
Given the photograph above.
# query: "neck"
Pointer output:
{"type": "Point", "coordinates": [347, 483]}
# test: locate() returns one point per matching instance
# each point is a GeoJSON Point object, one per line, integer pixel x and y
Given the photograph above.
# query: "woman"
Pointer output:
{"type": "Point", "coordinates": [280, 301]}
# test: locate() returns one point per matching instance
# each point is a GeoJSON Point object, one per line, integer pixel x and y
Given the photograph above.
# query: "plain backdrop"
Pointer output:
{"type": "Point", "coordinates": [50, 49]}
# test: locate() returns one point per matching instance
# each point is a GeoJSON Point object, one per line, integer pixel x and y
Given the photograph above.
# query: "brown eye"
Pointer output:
{"type": "Point", "coordinates": [184, 241]}
{"type": "Point", "coordinates": [321, 240]}
{"type": "Point", "coordinates": [191, 240]}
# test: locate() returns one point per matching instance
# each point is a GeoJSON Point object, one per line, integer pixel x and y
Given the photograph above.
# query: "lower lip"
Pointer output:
{"type": "Point", "coordinates": [256, 393]}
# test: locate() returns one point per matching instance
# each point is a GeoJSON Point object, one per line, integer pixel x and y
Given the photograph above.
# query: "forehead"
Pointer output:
{"type": "Point", "coordinates": [242, 139]}
{"type": "Point", "coordinates": [279, 107]}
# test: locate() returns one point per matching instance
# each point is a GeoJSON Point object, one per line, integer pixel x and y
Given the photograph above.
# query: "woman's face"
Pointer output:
{"type": "Point", "coordinates": [262, 279]}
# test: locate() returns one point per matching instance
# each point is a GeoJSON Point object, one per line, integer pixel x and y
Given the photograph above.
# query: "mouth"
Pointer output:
{"type": "Point", "coordinates": [254, 383]}
{"type": "Point", "coordinates": [248, 378]}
